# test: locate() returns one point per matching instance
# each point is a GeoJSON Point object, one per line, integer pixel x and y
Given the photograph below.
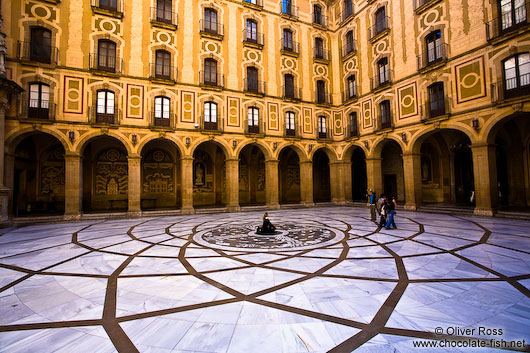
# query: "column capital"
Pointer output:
{"type": "Point", "coordinates": [272, 160]}
{"type": "Point", "coordinates": [373, 159]}
{"type": "Point", "coordinates": [411, 154]}
{"type": "Point", "coordinates": [72, 155]}
{"type": "Point", "coordinates": [232, 160]}
{"type": "Point", "coordinates": [306, 162]}
{"type": "Point", "coordinates": [187, 158]}
{"type": "Point", "coordinates": [134, 157]}
{"type": "Point", "coordinates": [482, 145]}
{"type": "Point", "coordinates": [337, 162]}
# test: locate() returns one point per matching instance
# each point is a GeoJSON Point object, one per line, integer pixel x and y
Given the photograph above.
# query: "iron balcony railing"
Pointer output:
{"type": "Point", "coordinates": [164, 16]}
{"type": "Point", "coordinates": [288, 9]}
{"type": "Point", "coordinates": [257, 3]}
{"type": "Point", "coordinates": [434, 108]}
{"type": "Point", "coordinates": [325, 133]}
{"type": "Point", "coordinates": [162, 119]}
{"type": "Point", "coordinates": [385, 122]}
{"type": "Point", "coordinates": [255, 86]}
{"type": "Point", "coordinates": [346, 12]}
{"type": "Point", "coordinates": [39, 110]}
{"type": "Point", "coordinates": [379, 27]}
{"type": "Point", "coordinates": [433, 56]}
{"type": "Point", "coordinates": [105, 63]}
{"type": "Point", "coordinates": [381, 79]}
{"type": "Point", "coordinates": [320, 19]}
{"type": "Point", "coordinates": [290, 46]}
{"type": "Point", "coordinates": [115, 6]}
{"type": "Point", "coordinates": [253, 37]}
{"type": "Point", "coordinates": [349, 93]}
{"type": "Point", "coordinates": [254, 128]}
{"type": "Point", "coordinates": [321, 54]}
{"type": "Point", "coordinates": [353, 129]}
{"type": "Point", "coordinates": [211, 27]}
{"type": "Point", "coordinates": [163, 72]}
{"type": "Point", "coordinates": [508, 21]}
{"type": "Point", "coordinates": [293, 131]}
{"type": "Point", "coordinates": [349, 48]}
{"type": "Point", "coordinates": [323, 97]}
{"type": "Point", "coordinates": [420, 3]}
{"type": "Point", "coordinates": [291, 92]}
{"type": "Point", "coordinates": [213, 123]}
{"type": "Point", "coordinates": [104, 115]}
{"type": "Point", "coordinates": [510, 88]}
{"type": "Point", "coordinates": [213, 80]}
{"type": "Point", "coordinates": [37, 52]}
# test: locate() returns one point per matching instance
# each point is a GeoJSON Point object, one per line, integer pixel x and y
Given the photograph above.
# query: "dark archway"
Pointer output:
{"type": "Point", "coordinates": [209, 175]}
{"type": "Point", "coordinates": [161, 185]}
{"type": "Point", "coordinates": [289, 176]}
{"type": "Point", "coordinates": [321, 177]}
{"type": "Point", "coordinates": [251, 176]}
{"type": "Point", "coordinates": [105, 175]}
{"type": "Point", "coordinates": [358, 175]}
{"type": "Point", "coordinates": [39, 176]}
{"type": "Point", "coordinates": [392, 170]}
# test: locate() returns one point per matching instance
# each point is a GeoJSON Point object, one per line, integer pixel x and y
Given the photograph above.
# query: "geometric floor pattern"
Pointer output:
{"type": "Point", "coordinates": [331, 281]}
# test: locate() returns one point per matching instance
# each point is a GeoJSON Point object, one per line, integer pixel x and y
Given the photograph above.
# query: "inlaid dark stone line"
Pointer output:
{"type": "Point", "coordinates": [48, 325]}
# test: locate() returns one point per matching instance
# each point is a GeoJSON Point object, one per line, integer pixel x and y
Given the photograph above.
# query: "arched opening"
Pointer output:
{"type": "Point", "coordinates": [392, 170]}
{"type": "Point", "coordinates": [358, 174]}
{"type": "Point", "coordinates": [39, 176]}
{"type": "Point", "coordinates": [209, 176]}
{"type": "Point", "coordinates": [251, 176]}
{"type": "Point", "coordinates": [321, 178]}
{"type": "Point", "coordinates": [105, 175]}
{"type": "Point", "coordinates": [289, 176]}
{"type": "Point", "coordinates": [161, 185]}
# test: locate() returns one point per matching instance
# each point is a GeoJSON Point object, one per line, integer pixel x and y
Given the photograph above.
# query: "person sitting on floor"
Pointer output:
{"type": "Point", "coordinates": [267, 227]}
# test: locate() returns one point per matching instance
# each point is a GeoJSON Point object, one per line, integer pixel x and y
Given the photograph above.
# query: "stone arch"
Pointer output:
{"type": "Point", "coordinates": [328, 151]}
{"type": "Point", "coordinates": [296, 147]}
{"type": "Point", "coordinates": [419, 137]}
{"type": "Point", "coordinates": [219, 142]}
{"type": "Point", "coordinates": [258, 143]}
{"type": "Point", "coordinates": [150, 138]}
{"type": "Point", "coordinates": [379, 144]}
{"type": "Point", "coordinates": [81, 144]}
{"type": "Point", "coordinates": [350, 148]}
{"type": "Point", "coordinates": [16, 136]}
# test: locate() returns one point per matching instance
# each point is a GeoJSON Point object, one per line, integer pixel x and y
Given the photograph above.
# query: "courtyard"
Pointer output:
{"type": "Point", "coordinates": [330, 280]}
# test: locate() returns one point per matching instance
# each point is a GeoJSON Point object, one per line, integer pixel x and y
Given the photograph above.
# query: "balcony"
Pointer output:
{"type": "Point", "coordinates": [509, 24]}
{"type": "Point", "coordinates": [214, 124]}
{"type": "Point", "coordinates": [34, 52]}
{"type": "Point", "coordinates": [291, 93]}
{"type": "Point", "coordinates": [437, 108]}
{"type": "Point", "coordinates": [290, 47]}
{"type": "Point", "coordinates": [349, 94]}
{"type": "Point", "coordinates": [381, 80]}
{"type": "Point", "coordinates": [253, 39]}
{"type": "Point", "coordinates": [510, 88]}
{"type": "Point", "coordinates": [256, 129]}
{"type": "Point", "coordinates": [320, 20]}
{"type": "Point", "coordinates": [421, 5]}
{"type": "Point", "coordinates": [112, 8]}
{"type": "Point", "coordinates": [162, 121]}
{"type": "Point", "coordinates": [349, 49]}
{"type": "Point", "coordinates": [379, 30]}
{"type": "Point", "coordinates": [32, 111]}
{"type": "Point", "coordinates": [288, 10]}
{"type": "Point", "coordinates": [211, 29]}
{"type": "Point", "coordinates": [433, 58]}
{"type": "Point", "coordinates": [104, 116]}
{"type": "Point", "coordinates": [323, 97]}
{"type": "Point", "coordinates": [163, 73]}
{"type": "Point", "coordinates": [321, 55]}
{"type": "Point", "coordinates": [213, 81]}
{"type": "Point", "coordinates": [294, 132]}
{"type": "Point", "coordinates": [102, 64]}
{"type": "Point", "coordinates": [164, 18]}
{"type": "Point", "coordinates": [324, 134]}
{"type": "Point", "coordinates": [353, 130]}
{"type": "Point", "coordinates": [254, 4]}
{"type": "Point", "coordinates": [346, 13]}
{"type": "Point", "coordinates": [255, 87]}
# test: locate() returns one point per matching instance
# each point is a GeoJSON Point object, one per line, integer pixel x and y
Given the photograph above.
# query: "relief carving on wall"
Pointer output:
{"type": "Point", "coordinates": [202, 172]}
{"type": "Point", "coordinates": [52, 177]}
{"type": "Point", "coordinates": [158, 171]}
{"type": "Point", "coordinates": [293, 174]}
{"type": "Point", "coordinates": [111, 173]}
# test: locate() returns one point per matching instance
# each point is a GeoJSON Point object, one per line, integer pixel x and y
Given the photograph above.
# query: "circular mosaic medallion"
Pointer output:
{"type": "Point", "coordinates": [287, 237]}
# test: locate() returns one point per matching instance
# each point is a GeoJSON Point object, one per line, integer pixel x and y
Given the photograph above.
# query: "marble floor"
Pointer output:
{"type": "Point", "coordinates": [329, 281]}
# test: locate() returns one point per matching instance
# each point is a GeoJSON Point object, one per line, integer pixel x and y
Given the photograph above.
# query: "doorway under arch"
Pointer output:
{"type": "Point", "coordinates": [251, 176]}
{"type": "Point", "coordinates": [289, 176]}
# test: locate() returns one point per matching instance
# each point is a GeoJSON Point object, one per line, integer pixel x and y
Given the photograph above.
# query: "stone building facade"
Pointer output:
{"type": "Point", "coordinates": [134, 105]}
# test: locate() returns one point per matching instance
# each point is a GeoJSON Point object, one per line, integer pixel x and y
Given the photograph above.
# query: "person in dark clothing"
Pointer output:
{"type": "Point", "coordinates": [390, 210]}
{"type": "Point", "coordinates": [266, 227]}
{"type": "Point", "coordinates": [381, 210]}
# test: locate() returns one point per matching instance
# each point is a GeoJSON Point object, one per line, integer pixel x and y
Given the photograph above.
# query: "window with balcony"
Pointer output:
{"type": "Point", "coordinates": [289, 86]}
{"type": "Point", "coordinates": [317, 14]}
{"type": "Point", "coordinates": [164, 11]}
{"type": "Point", "coordinates": [252, 79]}
{"type": "Point", "coordinates": [352, 87]}
{"type": "Point", "coordinates": [350, 44]}
{"type": "Point", "coordinates": [105, 107]}
{"type": "Point", "coordinates": [319, 48]}
{"type": "Point", "coordinates": [163, 64]}
{"type": "Point", "coordinates": [290, 127]}
{"type": "Point", "coordinates": [513, 13]}
{"type": "Point", "coordinates": [322, 132]}
{"type": "Point", "coordinates": [210, 21]}
{"type": "Point", "coordinates": [353, 124]}
{"type": "Point", "coordinates": [252, 31]}
{"type": "Point", "coordinates": [380, 20]}
{"type": "Point", "coordinates": [321, 92]}
{"type": "Point", "coordinates": [210, 72]}
{"type": "Point", "coordinates": [384, 113]}
{"type": "Point", "coordinates": [288, 40]}
{"type": "Point", "coordinates": [111, 5]}
{"type": "Point", "coordinates": [517, 75]}
{"type": "Point", "coordinates": [433, 44]}
{"type": "Point", "coordinates": [436, 100]}
{"type": "Point", "coordinates": [287, 7]}
{"type": "Point", "coordinates": [39, 101]}
{"type": "Point", "coordinates": [106, 55]}
{"type": "Point", "coordinates": [253, 120]}
{"type": "Point", "coordinates": [210, 116]}
{"type": "Point", "coordinates": [383, 72]}
{"type": "Point", "coordinates": [40, 45]}
{"type": "Point", "coordinates": [348, 8]}
{"type": "Point", "coordinates": [162, 111]}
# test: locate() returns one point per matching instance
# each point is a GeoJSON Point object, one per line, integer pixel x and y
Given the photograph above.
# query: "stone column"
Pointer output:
{"type": "Point", "coordinates": [73, 188]}
{"type": "Point", "coordinates": [336, 179]}
{"type": "Point", "coordinates": [272, 184]}
{"type": "Point", "coordinates": [186, 169]}
{"type": "Point", "coordinates": [348, 186]}
{"type": "Point", "coordinates": [485, 175]}
{"type": "Point", "coordinates": [374, 174]}
{"type": "Point", "coordinates": [135, 186]}
{"type": "Point", "coordinates": [306, 183]}
{"type": "Point", "coordinates": [412, 179]}
{"type": "Point", "coordinates": [232, 184]}
{"type": "Point", "coordinates": [4, 191]}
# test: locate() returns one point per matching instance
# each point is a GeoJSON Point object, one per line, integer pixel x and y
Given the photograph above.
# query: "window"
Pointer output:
{"type": "Point", "coordinates": [436, 99]}
{"type": "Point", "coordinates": [513, 13]}
{"type": "Point", "coordinates": [253, 120]}
{"type": "Point", "coordinates": [210, 116]}
{"type": "Point", "coordinates": [106, 55]}
{"type": "Point", "coordinates": [162, 111]}
{"type": "Point", "coordinates": [319, 48]}
{"type": "Point", "coordinates": [321, 91]}
{"type": "Point", "coordinates": [287, 39]}
{"type": "Point", "coordinates": [353, 124]}
{"type": "Point", "coordinates": [352, 87]}
{"type": "Point", "coordinates": [287, 7]}
{"type": "Point", "coordinates": [41, 45]}
{"type": "Point", "coordinates": [210, 20]}
{"type": "Point", "coordinates": [517, 75]}
{"type": "Point", "coordinates": [210, 72]}
{"type": "Point", "coordinates": [349, 43]}
{"type": "Point", "coordinates": [380, 20]}
{"type": "Point", "coordinates": [164, 11]}
{"type": "Point", "coordinates": [348, 8]}
{"type": "Point", "coordinates": [251, 2]}
{"type": "Point", "coordinates": [163, 64]}
{"type": "Point", "coordinates": [290, 129]}
{"type": "Point", "coordinates": [383, 73]}
{"type": "Point", "coordinates": [111, 5]}
{"type": "Point", "coordinates": [322, 127]}
{"type": "Point", "coordinates": [105, 107]}
{"type": "Point", "coordinates": [384, 110]}
{"type": "Point", "coordinates": [317, 14]}
{"type": "Point", "coordinates": [289, 86]}
{"type": "Point", "coordinates": [252, 31]}
{"type": "Point", "coordinates": [39, 101]}
{"type": "Point", "coordinates": [434, 47]}
{"type": "Point", "coordinates": [252, 79]}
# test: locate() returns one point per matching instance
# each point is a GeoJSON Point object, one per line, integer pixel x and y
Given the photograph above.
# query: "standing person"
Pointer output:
{"type": "Point", "coordinates": [391, 211]}
{"type": "Point", "coordinates": [371, 201]}
{"type": "Point", "coordinates": [380, 203]}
